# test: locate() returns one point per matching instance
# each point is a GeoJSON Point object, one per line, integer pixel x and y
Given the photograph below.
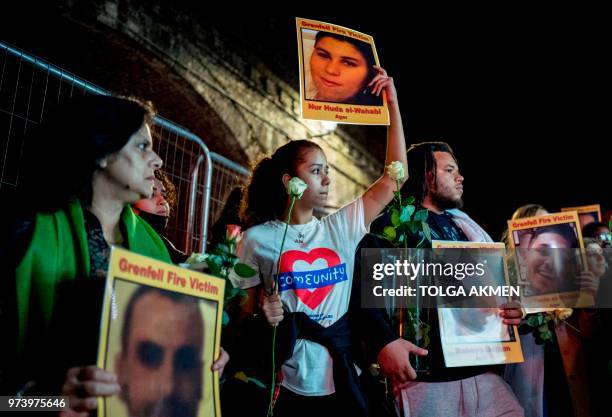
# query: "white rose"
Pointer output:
{"type": "Point", "coordinates": [296, 187]}
{"type": "Point", "coordinates": [395, 170]}
{"type": "Point", "coordinates": [196, 257]}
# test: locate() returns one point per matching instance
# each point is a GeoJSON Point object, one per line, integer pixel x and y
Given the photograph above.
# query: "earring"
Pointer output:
{"type": "Point", "coordinates": [101, 163]}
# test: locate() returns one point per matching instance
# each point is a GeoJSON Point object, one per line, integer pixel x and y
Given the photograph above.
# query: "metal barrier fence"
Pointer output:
{"type": "Point", "coordinates": [29, 85]}
{"type": "Point", "coordinates": [226, 176]}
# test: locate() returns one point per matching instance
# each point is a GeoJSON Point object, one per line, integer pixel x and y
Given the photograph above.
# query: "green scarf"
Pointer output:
{"type": "Point", "coordinates": [59, 252]}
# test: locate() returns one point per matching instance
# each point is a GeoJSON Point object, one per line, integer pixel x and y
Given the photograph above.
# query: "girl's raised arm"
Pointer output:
{"type": "Point", "coordinates": [376, 198]}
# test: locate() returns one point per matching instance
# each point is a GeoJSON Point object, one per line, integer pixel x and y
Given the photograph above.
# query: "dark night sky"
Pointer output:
{"type": "Point", "coordinates": [523, 100]}
{"type": "Point", "coordinates": [522, 96]}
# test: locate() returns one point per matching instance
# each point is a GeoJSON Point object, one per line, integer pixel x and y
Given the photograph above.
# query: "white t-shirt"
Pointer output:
{"type": "Point", "coordinates": [316, 278]}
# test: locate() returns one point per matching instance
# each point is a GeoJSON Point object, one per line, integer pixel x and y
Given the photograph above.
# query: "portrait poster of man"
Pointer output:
{"type": "Point", "coordinates": [160, 332]}
{"type": "Point", "coordinates": [476, 335]}
{"type": "Point", "coordinates": [336, 65]}
{"type": "Point", "coordinates": [549, 261]}
{"type": "Point", "coordinates": [586, 214]}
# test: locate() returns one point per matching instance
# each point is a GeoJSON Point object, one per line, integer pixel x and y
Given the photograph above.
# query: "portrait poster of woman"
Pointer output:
{"type": "Point", "coordinates": [586, 214]}
{"type": "Point", "coordinates": [336, 65]}
{"type": "Point", "coordinates": [549, 261]}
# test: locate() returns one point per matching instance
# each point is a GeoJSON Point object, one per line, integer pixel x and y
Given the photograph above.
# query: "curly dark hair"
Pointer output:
{"type": "Point", "coordinates": [265, 197]}
{"type": "Point", "coordinates": [171, 195]}
{"type": "Point", "coordinates": [590, 230]}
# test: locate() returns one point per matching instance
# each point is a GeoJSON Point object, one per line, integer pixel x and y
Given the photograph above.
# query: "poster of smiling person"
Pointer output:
{"type": "Point", "coordinates": [337, 65]}
{"type": "Point", "coordinates": [586, 214]}
{"type": "Point", "coordinates": [551, 265]}
{"type": "Point", "coordinates": [160, 333]}
{"type": "Point", "coordinates": [476, 335]}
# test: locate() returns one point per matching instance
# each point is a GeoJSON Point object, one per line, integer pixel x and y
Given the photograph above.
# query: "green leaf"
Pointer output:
{"type": "Point", "coordinates": [257, 382]}
{"type": "Point", "coordinates": [223, 248]}
{"type": "Point", "coordinates": [537, 320]}
{"type": "Point", "coordinates": [543, 328]}
{"type": "Point", "coordinates": [395, 217]}
{"type": "Point", "coordinates": [533, 321]}
{"type": "Point", "coordinates": [244, 271]}
{"type": "Point", "coordinates": [231, 292]}
{"type": "Point", "coordinates": [410, 199]}
{"type": "Point", "coordinates": [215, 259]}
{"type": "Point", "coordinates": [414, 226]}
{"type": "Point", "coordinates": [379, 236]}
{"type": "Point", "coordinates": [426, 231]}
{"type": "Point", "coordinates": [425, 330]}
{"type": "Point", "coordinates": [420, 216]}
{"type": "Point", "coordinates": [406, 213]}
{"type": "Point", "coordinates": [214, 268]}
{"type": "Point", "coordinates": [389, 233]}
{"type": "Point", "coordinates": [426, 341]}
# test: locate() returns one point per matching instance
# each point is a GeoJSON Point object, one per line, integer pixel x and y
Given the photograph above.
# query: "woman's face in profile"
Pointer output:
{"type": "Point", "coordinates": [546, 264]}
{"type": "Point", "coordinates": [157, 204]}
{"type": "Point", "coordinates": [339, 71]}
{"type": "Point", "coordinates": [314, 171]}
{"type": "Point", "coordinates": [130, 171]}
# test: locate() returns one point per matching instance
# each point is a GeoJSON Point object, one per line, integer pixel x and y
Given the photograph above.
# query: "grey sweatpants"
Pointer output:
{"type": "Point", "coordinates": [485, 395]}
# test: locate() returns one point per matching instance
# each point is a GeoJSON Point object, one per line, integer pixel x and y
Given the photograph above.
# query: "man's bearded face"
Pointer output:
{"type": "Point", "coordinates": [160, 373]}
{"type": "Point", "coordinates": [447, 189]}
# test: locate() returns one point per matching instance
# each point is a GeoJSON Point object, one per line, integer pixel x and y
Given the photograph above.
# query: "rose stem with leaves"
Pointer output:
{"type": "Point", "coordinates": [275, 291]}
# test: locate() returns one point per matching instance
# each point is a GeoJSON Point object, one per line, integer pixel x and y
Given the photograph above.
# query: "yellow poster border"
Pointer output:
{"type": "Point", "coordinates": [585, 209]}
{"type": "Point", "coordinates": [553, 300]}
{"type": "Point", "coordinates": [116, 273]}
{"type": "Point", "coordinates": [337, 112]}
{"type": "Point", "coordinates": [552, 219]}
{"type": "Point", "coordinates": [513, 352]}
